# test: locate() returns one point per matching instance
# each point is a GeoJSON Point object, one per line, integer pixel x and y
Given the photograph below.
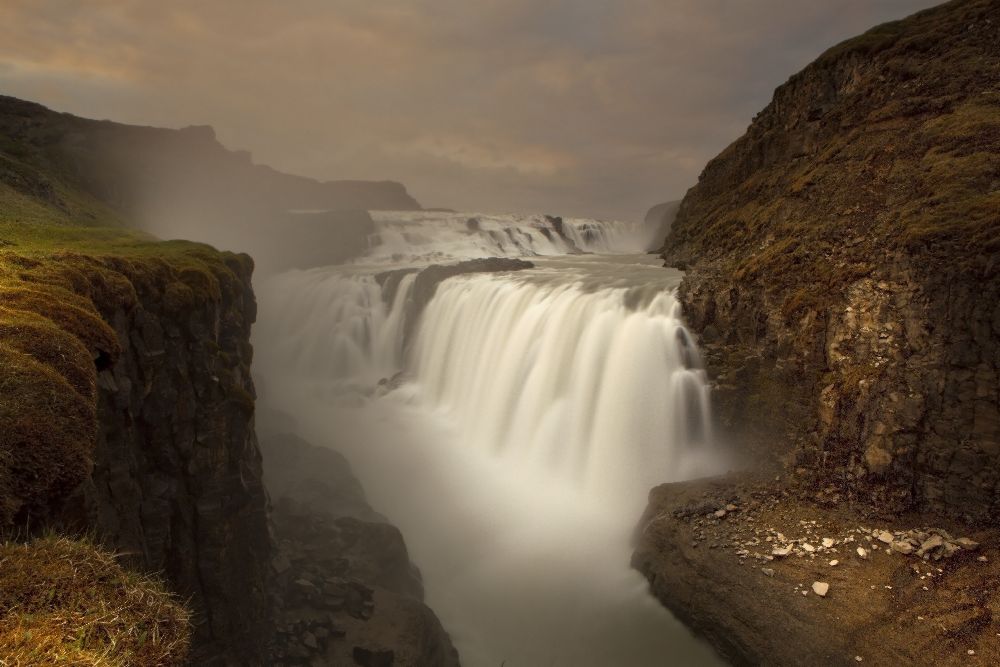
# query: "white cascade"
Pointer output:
{"type": "Point", "coordinates": [576, 382]}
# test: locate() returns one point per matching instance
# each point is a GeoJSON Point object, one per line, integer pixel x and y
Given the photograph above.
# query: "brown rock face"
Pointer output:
{"type": "Point", "coordinates": [844, 260]}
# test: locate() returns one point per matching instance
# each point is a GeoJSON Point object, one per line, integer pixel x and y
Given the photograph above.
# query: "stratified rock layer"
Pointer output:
{"type": "Point", "coordinates": [844, 260]}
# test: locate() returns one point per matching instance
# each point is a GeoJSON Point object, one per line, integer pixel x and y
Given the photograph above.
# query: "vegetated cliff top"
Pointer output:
{"type": "Point", "coordinates": [889, 141]}
{"type": "Point", "coordinates": [68, 263]}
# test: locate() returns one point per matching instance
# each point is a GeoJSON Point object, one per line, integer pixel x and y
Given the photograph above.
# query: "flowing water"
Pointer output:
{"type": "Point", "coordinates": [514, 430]}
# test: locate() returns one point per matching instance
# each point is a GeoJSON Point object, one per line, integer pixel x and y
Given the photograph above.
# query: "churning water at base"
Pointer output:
{"type": "Point", "coordinates": [512, 435]}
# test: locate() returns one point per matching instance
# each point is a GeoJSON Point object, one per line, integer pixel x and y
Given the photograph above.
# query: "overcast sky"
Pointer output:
{"type": "Point", "coordinates": [596, 108]}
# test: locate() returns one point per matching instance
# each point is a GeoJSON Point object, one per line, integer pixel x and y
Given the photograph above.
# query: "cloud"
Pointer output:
{"type": "Point", "coordinates": [582, 107]}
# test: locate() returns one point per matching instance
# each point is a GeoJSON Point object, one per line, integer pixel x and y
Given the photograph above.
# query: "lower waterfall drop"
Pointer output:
{"type": "Point", "coordinates": [576, 381]}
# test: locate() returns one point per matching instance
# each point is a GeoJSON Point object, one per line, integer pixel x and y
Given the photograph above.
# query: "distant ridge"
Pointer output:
{"type": "Point", "coordinates": [174, 183]}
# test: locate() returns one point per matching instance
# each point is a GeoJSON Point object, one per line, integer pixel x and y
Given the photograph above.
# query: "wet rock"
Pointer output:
{"type": "Point", "coordinates": [349, 576]}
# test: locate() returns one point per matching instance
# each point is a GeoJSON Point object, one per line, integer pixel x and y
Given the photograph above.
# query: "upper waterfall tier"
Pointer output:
{"type": "Point", "coordinates": [430, 236]}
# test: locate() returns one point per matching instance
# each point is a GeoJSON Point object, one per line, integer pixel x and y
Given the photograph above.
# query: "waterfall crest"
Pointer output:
{"type": "Point", "coordinates": [423, 236]}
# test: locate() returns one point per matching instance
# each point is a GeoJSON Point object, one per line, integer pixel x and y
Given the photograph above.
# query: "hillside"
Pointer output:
{"type": "Point", "coordinates": [177, 184]}
{"type": "Point", "coordinates": [135, 528]}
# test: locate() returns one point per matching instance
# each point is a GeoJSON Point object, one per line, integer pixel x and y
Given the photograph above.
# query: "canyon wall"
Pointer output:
{"type": "Point", "coordinates": [844, 269]}
{"type": "Point", "coordinates": [177, 485]}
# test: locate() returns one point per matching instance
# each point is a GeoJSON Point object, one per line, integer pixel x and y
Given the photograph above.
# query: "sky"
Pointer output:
{"type": "Point", "coordinates": [591, 108]}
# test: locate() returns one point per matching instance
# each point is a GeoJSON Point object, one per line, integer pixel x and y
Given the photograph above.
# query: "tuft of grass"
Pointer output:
{"type": "Point", "coordinates": [68, 603]}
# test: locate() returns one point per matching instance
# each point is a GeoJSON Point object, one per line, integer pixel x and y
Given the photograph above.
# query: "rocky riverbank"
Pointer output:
{"type": "Point", "coordinates": [769, 577]}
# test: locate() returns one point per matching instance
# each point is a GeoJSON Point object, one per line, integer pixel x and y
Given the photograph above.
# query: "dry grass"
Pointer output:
{"type": "Point", "coordinates": [67, 603]}
{"type": "Point", "coordinates": [68, 268]}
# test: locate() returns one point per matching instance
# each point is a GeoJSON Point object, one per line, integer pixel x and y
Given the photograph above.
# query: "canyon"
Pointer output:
{"type": "Point", "coordinates": [396, 436]}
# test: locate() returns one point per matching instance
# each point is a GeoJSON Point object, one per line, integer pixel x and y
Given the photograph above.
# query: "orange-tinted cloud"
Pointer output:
{"type": "Point", "coordinates": [580, 107]}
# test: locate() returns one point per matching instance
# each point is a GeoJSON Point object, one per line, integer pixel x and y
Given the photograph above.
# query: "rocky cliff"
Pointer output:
{"type": "Point", "coordinates": [176, 485]}
{"type": "Point", "coordinates": [844, 268]}
{"type": "Point", "coordinates": [843, 262]}
{"type": "Point", "coordinates": [345, 591]}
{"type": "Point", "coordinates": [128, 415]}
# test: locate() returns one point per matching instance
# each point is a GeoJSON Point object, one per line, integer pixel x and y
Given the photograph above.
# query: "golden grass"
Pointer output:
{"type": "Point", "coordinates": [67, 603]}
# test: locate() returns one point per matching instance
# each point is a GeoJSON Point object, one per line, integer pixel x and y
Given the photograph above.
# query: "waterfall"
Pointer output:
{"type": "Point", "coordinates": [574, 381]}
{"type": "Point", "coordinates": [512, 428]}
{"type": "Point", "coordinates": [336, 326]}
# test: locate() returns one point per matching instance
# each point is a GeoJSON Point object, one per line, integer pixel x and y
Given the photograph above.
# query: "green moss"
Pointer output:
{"type": "Point", "coordinates": [46, 343]}
{"type": "Point", "coordinates": [47, 436]}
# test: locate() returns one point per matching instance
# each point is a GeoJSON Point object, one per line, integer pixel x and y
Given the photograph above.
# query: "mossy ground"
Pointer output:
{"type": "Point", "coordinates": [68, 603]}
